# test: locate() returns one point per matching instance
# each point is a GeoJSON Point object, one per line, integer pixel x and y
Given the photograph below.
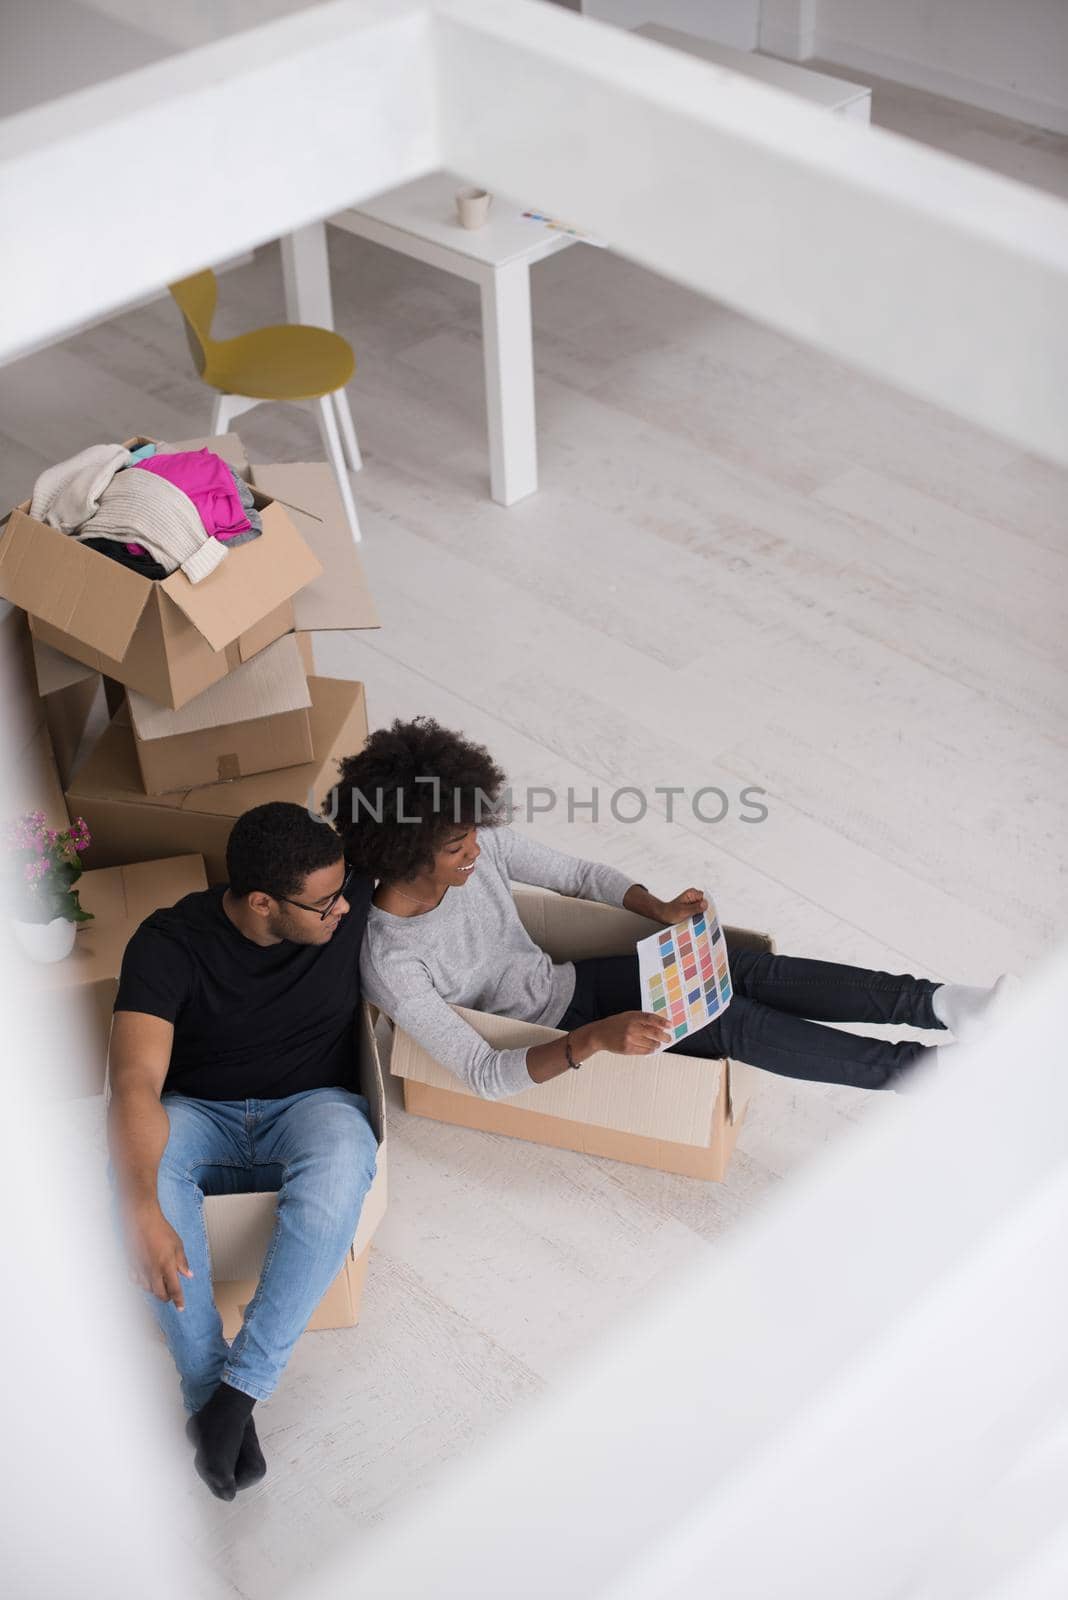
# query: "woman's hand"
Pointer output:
{"type": "Point", "coordinates": [687, 904]}
{"type": "Point", "coordinates": [631, 1033]}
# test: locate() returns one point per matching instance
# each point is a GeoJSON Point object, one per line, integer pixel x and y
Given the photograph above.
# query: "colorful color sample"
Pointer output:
{"type": "Point", "coordinates": [685, 975]}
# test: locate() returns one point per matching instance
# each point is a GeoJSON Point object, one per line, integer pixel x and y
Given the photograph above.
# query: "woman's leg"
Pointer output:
{"type": "Point", "coordinates": [794, 1048]}
{"type": "Point", "coordinates": [774, 1039]}
{"type": "Point", "coordinates": [828, 991]}
{"type": "Point", "coordinates": [604, 986]}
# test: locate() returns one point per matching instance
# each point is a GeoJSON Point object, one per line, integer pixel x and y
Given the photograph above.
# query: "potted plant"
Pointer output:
{"type": "Point", "coordinates": [45, 866]}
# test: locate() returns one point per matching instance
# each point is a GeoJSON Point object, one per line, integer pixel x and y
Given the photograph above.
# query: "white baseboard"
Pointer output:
{"type": "Point", "coordinates": [1037, 113]}
{"type": "Point", "coordinates": [790, 44]}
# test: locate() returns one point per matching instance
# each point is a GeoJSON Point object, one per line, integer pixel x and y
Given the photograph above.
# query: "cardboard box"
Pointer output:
{"type": "Point", "coordinates": [255, 720]}
{"type": "Point", "coordinates": [170, 639]}
{"type": "Point", "coordinates": [675, 1112]}
{"type": "Point", "coordinates": [85, 982]}
{"type": "Point", "coordinates": [69, 692]}
{"type": "Point", "coordinates": [239, 1225]}
{"type": "Point", "coordinates": [29, 777]}
{"type": "Point", "coordinates": [128, 825]}
{"type": "Point", "coordinates": [340, 598]}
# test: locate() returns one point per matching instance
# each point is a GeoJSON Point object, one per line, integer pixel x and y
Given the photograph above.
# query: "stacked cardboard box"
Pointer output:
{"type": "Point", "coordinates": [85, 983]}
{"type": "Point", "coordinates": [675, 1112]}
{"type": "Point", "coordinates": [215, 708]}
{"type": "Point", "coordinates": [220, 713]}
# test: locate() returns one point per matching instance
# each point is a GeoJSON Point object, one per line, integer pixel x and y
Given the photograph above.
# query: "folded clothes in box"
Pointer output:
{"type": "Point", "coordinates": [169, 638]}
{"type": "Point", "coordinates": [255, 720]}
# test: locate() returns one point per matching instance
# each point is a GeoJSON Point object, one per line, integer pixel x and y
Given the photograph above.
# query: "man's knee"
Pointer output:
{"type": "Point", "coordinates": [338, 1164]}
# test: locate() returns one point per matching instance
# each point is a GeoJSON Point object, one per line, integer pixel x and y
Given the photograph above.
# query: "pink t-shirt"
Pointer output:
{"type": "Point", "coordinates": [209, 483]}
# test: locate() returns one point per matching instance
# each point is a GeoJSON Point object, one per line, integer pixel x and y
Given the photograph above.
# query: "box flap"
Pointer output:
{"type": "Point", "coordinates": [120, 898]}
{"type": "Point", "coordinates": [227, 445]}
{"type": "Point", "coordinates": [339, 727]}
{"type": "Point", "coordinates": [272, 682]}
{"type": "Point", "coordinates": [54, 577]}
{"type": "Point", "coordinates": [341, 598]}
{"type": "Point", "coordinates": [55, 671]}
{"type": "Point", "coordinates": [665, 1096]}
{"type": "Point", "coordinates": [254, 579]}
{"type": "Point", "coordinates": [373, 1088]}
{"type": "Point", "coordinates": [572, 930]}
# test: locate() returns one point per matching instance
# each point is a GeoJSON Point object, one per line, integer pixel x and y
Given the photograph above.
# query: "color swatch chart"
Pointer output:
{"type": "Point", "coordinates": [556, 226]}
{"type": "Point", "coordinates": [684, 973]}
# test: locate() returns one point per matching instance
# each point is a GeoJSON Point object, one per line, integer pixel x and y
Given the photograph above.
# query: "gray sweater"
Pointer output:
{"type": "Point", "coordinates": [472, 950]}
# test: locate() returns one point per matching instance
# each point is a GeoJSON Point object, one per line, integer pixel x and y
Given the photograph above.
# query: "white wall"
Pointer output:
{"type": "Point", "coordinates": [1009, 56]}
{"type": "Point", "coordinates": [730, 22]}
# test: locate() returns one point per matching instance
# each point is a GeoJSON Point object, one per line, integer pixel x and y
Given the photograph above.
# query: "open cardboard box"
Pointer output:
{"type": "Point", "coordinates": [69, 691]}
{"type": "Point", "coordinates": [675, 1112]}
{"type": "Point", "coordinates": [239, 1225]}
{"type": "Point", "coordinates": [340, 597]}
{"type": "Point", "coordinates": [172, 638]}
{"type": "Point", "coordinates": [257, 719]}
{"type": "Point", "coordinates": [128, 825]}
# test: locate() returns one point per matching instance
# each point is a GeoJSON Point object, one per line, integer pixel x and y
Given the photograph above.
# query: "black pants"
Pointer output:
{"type": "Point", "coordinates": [765, 1024]}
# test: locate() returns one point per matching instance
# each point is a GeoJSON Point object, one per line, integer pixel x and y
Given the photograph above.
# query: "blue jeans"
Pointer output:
{"type": "Point", "coordinates": [317, 1151]}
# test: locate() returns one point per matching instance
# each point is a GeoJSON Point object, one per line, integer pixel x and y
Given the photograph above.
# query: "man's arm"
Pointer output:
{"type": "Point", "coordinates": [138, 1129]}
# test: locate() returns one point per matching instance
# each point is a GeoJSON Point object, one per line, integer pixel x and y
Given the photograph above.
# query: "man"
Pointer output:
{"type": "Point", "coordinates": [232, 1071]}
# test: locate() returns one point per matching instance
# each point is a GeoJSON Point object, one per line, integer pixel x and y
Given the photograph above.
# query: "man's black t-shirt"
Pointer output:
{"type": "Point", "coordinates": [251, 1022]}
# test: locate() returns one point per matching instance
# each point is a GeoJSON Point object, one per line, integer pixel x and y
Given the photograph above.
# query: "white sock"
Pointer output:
{"type": "Point", "coordinates": [965, 1010]}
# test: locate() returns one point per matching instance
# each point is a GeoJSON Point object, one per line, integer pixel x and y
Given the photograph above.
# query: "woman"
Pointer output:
{"type": "Point", "coordinates": [415, 811]}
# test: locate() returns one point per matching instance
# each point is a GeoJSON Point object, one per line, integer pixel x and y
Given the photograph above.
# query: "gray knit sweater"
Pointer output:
{"type": "Point", "coordinates": [472, 950]}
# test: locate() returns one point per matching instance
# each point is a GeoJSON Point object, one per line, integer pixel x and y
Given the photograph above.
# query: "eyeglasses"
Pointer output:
{"type": "Point", "coordinates": [322, 912]}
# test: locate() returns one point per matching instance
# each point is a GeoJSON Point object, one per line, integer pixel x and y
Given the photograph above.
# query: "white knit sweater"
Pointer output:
{"type": "Point", "coordinates": [143, 508]}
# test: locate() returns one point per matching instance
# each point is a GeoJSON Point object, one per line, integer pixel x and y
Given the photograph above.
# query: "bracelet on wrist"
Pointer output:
{"type": "Point", "coordinates": [572, 1063]}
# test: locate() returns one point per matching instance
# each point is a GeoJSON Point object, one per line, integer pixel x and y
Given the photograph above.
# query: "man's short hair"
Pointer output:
{"type": "Point", "coordinates": [274, 847]}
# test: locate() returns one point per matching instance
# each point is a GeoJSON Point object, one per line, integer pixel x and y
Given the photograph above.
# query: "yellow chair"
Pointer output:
{"type": "Point", "coordinates": [289, 362]}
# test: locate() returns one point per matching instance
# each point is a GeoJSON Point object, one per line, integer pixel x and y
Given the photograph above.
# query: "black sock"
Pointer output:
{"type": "Point", "coordinates": [250, 1466]}
{"type": "Point", "coordinates": [218, 1429]}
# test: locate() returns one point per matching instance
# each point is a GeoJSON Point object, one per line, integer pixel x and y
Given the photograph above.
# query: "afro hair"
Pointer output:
{"type": "Point", "coordinates": [406, 792]}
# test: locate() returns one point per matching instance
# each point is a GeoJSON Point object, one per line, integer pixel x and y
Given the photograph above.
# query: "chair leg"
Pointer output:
{"type": "Point", "coordinates": [346, 429]}
{"type": "Point", "coordinates": [332, 446]}
{"type": "Point", "coordinates": [227, 407]}
{"type": "Point", "coordinates": [220, 414]}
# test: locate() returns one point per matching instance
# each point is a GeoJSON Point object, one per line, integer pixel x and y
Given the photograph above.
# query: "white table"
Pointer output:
{"type": "Point", "coordinates": [419, 219]}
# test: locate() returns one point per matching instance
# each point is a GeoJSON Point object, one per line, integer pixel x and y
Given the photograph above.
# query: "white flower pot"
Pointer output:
{"type": "Point", "coordinates": [46, 941]}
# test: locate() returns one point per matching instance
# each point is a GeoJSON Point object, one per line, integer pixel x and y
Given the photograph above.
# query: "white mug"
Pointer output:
{"type": "Point", "coordinates": [473, 207]}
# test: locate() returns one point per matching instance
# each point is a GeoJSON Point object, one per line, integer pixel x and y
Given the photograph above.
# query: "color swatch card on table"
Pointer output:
{"type": "Point", "coordinates": [684, 973]}
{"type": "Point", "coordinates": [554, 225]}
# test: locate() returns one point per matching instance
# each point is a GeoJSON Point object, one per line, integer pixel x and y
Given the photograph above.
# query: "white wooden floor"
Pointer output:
{"type": "Point", "coordinates": [746, 565]}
